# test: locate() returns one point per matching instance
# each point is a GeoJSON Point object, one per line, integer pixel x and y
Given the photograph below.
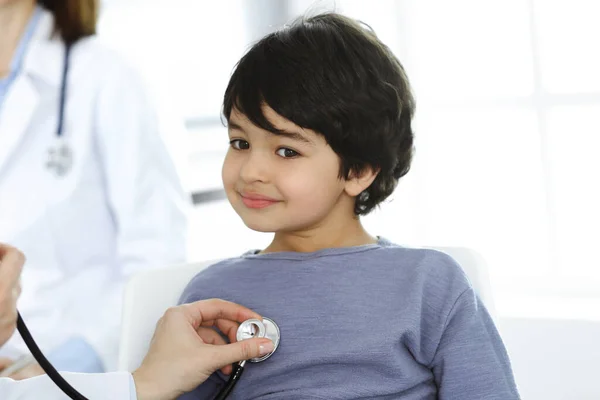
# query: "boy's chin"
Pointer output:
{"type": "Point", "coordinates": [259, 226]}
{"type": "Point", "coordinates": [270, 227]}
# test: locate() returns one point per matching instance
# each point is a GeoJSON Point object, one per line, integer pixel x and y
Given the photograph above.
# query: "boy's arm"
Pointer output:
{"type": "Point", "coordinates": [471, 362]}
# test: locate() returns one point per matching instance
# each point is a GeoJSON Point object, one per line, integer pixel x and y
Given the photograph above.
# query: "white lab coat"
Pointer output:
{"type": "Point", "coordinates": [112, 386]}
{"type": "Point", "coordinates": [121, 208]}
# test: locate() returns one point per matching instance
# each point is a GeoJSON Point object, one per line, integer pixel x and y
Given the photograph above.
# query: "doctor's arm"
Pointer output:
{"type": "Point", "coordinates": [183, 353]}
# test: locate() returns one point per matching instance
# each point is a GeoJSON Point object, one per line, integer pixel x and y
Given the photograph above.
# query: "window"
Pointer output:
{"type": "Point", "coordinates": [508, 116]}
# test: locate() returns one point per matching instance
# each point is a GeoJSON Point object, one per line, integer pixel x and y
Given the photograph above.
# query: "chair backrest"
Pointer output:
{"type": "Point", "coordinates": [149, 294]}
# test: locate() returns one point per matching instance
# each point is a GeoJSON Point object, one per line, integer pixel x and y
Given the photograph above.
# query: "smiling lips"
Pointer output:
{"type": "Point", "coordinates": [252, 200]}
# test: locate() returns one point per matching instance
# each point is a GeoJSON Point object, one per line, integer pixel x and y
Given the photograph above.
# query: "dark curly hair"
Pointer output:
{"type": "Point", "coordinates": [331, 74]}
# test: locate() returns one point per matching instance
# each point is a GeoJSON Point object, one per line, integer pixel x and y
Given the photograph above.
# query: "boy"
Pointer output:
{"type": "Point", "coordinates": [319, 118]}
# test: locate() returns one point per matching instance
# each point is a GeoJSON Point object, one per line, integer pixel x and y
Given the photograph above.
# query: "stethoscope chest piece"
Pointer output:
{"type": "Point", "coordinates": [256, 328]}
{"type": "Point", "coordinates": [60, 155]}
{"type": "Point", "coordinates": [60, 158]}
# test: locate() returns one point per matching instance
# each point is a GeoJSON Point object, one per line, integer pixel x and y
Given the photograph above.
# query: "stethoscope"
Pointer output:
{"type": "Point", "coordinates": [60, 156]}
{"type": "Point", "coordinates": [267, 328]}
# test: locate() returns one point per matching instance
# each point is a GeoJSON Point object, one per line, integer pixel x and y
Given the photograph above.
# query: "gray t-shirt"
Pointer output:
{"type": "Point", "coordinates": [377, 321]}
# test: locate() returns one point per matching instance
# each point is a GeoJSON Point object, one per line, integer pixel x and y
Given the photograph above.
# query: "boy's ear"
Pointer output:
{"type": "Point", "coordinates": [359, 181]}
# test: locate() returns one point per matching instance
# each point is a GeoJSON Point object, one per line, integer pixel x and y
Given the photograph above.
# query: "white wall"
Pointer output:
{"type": "Point", "coordinates": [554, 359]}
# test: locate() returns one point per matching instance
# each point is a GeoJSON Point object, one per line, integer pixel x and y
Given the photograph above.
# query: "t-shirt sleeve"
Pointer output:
{"type": "Point", "coordinates": [193, 291]}
{"type": "Point", "coordinates": [471, 362]}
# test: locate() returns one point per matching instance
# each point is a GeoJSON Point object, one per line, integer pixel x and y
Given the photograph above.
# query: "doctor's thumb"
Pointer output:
{"type": "Point", "coordinates": [243, 350]}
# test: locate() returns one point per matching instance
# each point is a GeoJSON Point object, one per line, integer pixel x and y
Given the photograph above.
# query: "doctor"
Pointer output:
{"type": "Point", "coordinates": [87, 189]}
{"type": "Point", "coordinates": [181, 356]}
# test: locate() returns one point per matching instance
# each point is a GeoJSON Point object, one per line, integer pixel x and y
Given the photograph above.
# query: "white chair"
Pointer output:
{"type": "Point", "coordinates": [149, 293]}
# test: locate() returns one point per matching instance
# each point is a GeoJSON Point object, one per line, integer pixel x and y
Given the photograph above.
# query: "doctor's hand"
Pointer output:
{"type": "Point", "coordinates": [183, 353]}
{"type": "Point", "coordinates": [11, 264]}
{"type": "Point", "coordinates": [30, 370]}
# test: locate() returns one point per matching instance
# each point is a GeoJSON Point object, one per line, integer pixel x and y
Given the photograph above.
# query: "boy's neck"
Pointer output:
{"type": "Point", "coordinates": [349, 234]}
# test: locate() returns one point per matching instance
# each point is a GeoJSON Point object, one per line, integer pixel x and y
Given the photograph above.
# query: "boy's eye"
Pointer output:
{"type": "Point", "coordinates": [287, 153]}
{"type": "Point", "coordinates": [239, 144]}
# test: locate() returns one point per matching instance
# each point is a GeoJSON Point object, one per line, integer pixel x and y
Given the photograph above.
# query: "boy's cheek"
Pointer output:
{"type": "Point", "coordinates": [228, 174]}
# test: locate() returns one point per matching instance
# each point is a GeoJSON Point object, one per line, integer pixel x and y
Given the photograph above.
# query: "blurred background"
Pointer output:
{"type": "Point", "coordinates": [507, 130]}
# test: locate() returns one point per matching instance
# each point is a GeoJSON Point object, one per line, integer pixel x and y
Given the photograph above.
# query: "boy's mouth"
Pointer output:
{"type": "Point", "coordinates": [253, 200]}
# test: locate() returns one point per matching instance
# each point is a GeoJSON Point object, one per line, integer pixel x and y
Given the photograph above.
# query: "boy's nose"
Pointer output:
{"type": "Point", "coordinates": [256, 169]}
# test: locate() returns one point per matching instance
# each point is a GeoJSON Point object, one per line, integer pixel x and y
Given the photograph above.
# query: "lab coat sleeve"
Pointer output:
{"type": "Point", "coordinates": [144, 193]}
{"type": "Point", "coordinates": [76, 354]}
{"type": "Point", "coordinates": [109, 386]}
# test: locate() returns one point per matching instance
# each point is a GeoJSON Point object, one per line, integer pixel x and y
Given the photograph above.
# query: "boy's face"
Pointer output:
{"type": "Point", "coordinates": [282, 183]}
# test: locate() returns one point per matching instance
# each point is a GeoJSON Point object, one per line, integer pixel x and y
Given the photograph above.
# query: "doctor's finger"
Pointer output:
{"type": "Point", "coordinates": [214, 338]}
{"type": "Point", "coordinates": [243, 350]}
{"type": "Point", "coordinates": [4, 248]}
{"type": "Point", "coordinates": [214, 309]}
{"type": "Point", "coordinates": [11, 265]}
{"type": "Point", "coordinates": [229, 329]}
{"type": "Point", "coordinates": [5, 362]}
{"type": "Point", "coordinates": [210, 336]}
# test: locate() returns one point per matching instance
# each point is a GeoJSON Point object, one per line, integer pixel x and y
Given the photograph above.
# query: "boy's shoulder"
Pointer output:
{"type": "Point", "coordinates": [386, 257]}
{"type": "Point", "coordinates": [219, 265]}
{"type": "Point", "coordinates": [429, 264]}
{"type": "Point", "coordinates": [429, 274]}
{"type": "Point", "coordinates": [437, 277]}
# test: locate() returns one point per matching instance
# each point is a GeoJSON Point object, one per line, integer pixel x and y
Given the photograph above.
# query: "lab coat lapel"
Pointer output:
{"type": "Point", "coordinates": [15, 117]}
{"type": "Point", "coordinates": [43, 62]}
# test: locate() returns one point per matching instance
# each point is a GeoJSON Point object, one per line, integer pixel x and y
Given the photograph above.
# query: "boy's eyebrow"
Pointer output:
{"type": "Point", "coordinates": [294, 136]}
{"type": "Point", "coordinates": [289, 134]}
{"type": "Point", "coordinates": [233, 125]}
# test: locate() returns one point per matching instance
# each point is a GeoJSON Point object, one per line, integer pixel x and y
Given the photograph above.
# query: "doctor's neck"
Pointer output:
{"type": "Point", "coordinates": [14, 15]}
